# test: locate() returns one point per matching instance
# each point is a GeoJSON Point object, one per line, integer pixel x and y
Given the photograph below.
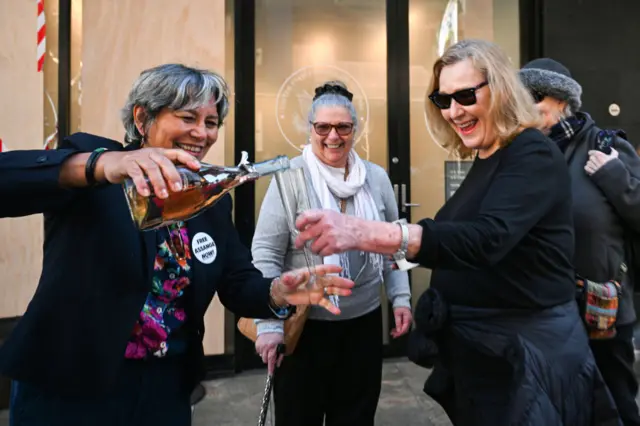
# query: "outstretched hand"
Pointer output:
{"type": "Point", "coordinates": [300, 287]}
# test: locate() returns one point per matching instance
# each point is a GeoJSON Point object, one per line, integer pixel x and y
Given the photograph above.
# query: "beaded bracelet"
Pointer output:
{"type": "Point", "coordinates": [279, 311]}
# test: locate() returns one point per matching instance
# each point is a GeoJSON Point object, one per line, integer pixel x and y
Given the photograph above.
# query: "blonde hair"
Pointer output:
{"type": "Point", "coordinates": [511, 108]}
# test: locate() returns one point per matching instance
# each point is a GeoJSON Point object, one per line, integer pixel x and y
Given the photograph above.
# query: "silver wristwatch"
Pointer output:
{"type": "Point", "coordinates": [404, 244]}
{"type": "Point", "coordinates": [400, 256]}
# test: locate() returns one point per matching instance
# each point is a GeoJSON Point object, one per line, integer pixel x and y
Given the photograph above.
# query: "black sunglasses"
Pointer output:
{"type": "Point", "coordinates": [537, 96]}
{"type": "Point", "coordinates": [323, 129]}
{"type": "Point", "coordinates": [464, 97]}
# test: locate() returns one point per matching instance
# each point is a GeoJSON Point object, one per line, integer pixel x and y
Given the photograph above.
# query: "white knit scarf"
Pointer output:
{"type": "Point", "coordinates": [327, 185]}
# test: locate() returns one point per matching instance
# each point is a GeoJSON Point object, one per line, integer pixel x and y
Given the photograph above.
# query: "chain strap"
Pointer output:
{"type": "Point", "coordinates": [178, 251]}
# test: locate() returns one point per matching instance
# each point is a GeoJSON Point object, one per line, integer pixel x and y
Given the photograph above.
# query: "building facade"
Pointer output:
{"type": "Point", "coordinates": [273, 53]}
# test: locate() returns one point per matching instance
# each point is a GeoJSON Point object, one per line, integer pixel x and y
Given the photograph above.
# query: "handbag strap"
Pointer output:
{"type": "Point", "coordinates": [622, 274]}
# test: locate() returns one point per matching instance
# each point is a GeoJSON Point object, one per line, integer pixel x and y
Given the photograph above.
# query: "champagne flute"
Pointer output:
{"type": "Point", "coordinates": [292, 186]}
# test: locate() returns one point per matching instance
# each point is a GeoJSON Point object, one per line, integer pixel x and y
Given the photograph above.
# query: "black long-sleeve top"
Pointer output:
{"type": "Point", "coordinates": [505, 239]}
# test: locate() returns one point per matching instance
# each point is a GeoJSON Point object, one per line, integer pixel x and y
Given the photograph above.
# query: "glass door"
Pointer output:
{"type": "Point", "coordinates": [299, 45]}
{"type": "Point", "coordinates": [433, 25]}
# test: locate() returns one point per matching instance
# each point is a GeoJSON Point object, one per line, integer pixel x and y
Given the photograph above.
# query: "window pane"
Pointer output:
{"type": "Point", "coordinates": [300, 44]}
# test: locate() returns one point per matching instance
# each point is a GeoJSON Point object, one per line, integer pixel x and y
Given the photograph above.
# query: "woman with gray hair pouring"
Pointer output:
{"type": "Point", "coordinates": [605, 185]}
{"type": "Point", "coordinates": [113, 335]}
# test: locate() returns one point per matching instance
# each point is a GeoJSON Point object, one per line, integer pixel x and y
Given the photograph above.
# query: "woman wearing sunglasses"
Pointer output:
{"type": "Point", "coordinates": [333, 377]}
{"type": "Point", "coordinates": [499, 323]}
{"type": "Point", "coordinates": [606, 215]}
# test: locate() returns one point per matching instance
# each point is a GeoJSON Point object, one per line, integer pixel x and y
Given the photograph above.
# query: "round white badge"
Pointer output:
{"type": "Point", "coordinates": [204, 248]}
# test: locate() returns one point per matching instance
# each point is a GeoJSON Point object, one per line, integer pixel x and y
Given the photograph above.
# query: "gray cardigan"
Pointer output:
{"type": "Point", "coordinates": [274, 253]}
{"type": "Point", "coordinates": [606, 206]}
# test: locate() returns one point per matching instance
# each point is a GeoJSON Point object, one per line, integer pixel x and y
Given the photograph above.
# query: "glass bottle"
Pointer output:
{"type": "Point", "coordinates": [200, 190]}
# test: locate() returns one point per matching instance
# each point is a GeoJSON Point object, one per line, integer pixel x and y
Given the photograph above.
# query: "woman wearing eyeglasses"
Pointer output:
{"type": "Point", "coordinates": [499, 323]}
{"type": "Point", "coordinates": [606, 216]}
{"type": "Point", "coordinates": [334, 374]}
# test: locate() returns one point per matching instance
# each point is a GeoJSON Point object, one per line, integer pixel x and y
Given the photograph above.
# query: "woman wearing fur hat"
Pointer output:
{"type": "Point", "coordinates": [606, 206]}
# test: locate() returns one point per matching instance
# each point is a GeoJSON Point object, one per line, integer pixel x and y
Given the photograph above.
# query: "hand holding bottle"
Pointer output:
{"type": "Point", "coordinates": [158, 165]}
{"type": "Point", "coordinates": [160, 192]}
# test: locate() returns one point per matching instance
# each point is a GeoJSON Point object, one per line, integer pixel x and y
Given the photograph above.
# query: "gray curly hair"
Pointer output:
{"type": "Point", "coordinates": [173, 86]}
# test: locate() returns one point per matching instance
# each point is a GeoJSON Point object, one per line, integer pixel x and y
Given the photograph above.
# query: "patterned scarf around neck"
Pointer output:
{"type": "Point", "coordinates": [563, 131]}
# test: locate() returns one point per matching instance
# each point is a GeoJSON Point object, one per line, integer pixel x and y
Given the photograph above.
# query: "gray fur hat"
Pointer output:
{"type": "Point", "coordinates": [551, 78]}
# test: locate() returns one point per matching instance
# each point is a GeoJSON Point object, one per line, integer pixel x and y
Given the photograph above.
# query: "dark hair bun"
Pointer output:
{"type": "Point", "coordinates": [335, 87]}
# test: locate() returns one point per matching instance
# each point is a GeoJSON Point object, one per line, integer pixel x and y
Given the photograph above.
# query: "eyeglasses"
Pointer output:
{"type": "Point", "coordinates": [342, 129]}
{"type": "Point", "coordinates": [537, 96]}
{"type": "Point", "coordinates": [464, 97]}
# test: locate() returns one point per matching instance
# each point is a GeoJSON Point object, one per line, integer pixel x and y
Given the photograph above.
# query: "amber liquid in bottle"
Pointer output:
{"type": "Point", "coordinates": [201, 190]}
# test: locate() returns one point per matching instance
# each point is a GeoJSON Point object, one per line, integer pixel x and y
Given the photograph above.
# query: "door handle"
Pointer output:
{"type": "Point", "coordinates": [395, 193]}
{"type": "Point", "coordinates": [403, 203]}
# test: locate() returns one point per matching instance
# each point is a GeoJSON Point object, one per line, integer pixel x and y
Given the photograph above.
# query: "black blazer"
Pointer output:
{"type": "Point", "coordinates": [97, 271]}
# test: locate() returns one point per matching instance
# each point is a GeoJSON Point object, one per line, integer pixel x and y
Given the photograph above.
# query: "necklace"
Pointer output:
{"type": "Point", "coordinates": [343, 201]}
{"type": "Point", "coordinates": [175, 236]}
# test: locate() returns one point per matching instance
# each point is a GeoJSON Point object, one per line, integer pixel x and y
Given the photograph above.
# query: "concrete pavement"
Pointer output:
{"type": "Point", "coordinates": [235, 401]}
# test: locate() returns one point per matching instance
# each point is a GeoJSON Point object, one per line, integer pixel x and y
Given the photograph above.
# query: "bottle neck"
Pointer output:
{"type": "Point", "coordinates": [269, 167]}
{"type": "Point", "coordinates": [252, 171]}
